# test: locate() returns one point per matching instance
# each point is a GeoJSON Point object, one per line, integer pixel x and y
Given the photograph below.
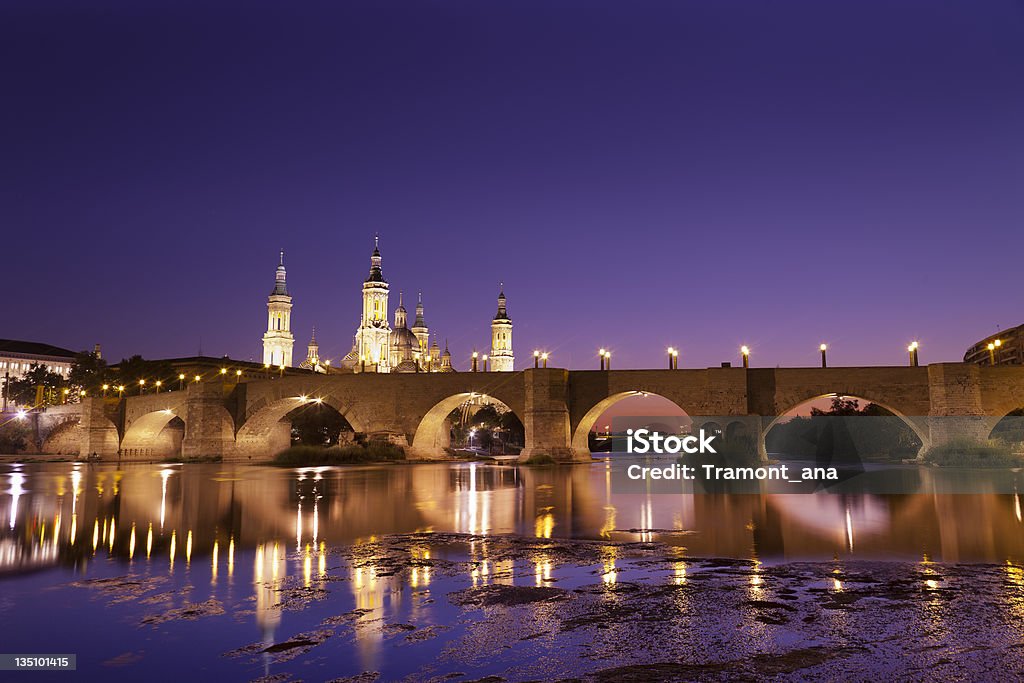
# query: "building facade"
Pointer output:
{"type": "Point", "coordinates": [17, 357]}
{"type": "Point", "coordinates": [1003, 348]}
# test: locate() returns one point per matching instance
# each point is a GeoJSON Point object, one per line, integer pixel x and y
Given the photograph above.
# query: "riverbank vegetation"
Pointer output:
{"type": "Point", "coordinates": [969, 453]}
{"type": "Point", "coordinates": [352, 454]}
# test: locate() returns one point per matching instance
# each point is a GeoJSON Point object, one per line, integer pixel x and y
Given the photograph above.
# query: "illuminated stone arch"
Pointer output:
{"type": "Point", "coordinates": [581, 434]}
{"type": "Point", "coordinates": [263, 434]}
{"type": "Point", "coordinates": [154, 435]}
{"type": "Point", "coordinates": [432, 436]}
{"type": "Point", "coordinates": [918, 425]}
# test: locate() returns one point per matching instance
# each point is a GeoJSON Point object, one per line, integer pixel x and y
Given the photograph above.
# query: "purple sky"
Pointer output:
{"type": "Point", "coordinates": [698, 174]}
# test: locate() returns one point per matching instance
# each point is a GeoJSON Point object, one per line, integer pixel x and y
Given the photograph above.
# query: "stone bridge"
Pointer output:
{"type": "Point", "coordinates": [249, 421]}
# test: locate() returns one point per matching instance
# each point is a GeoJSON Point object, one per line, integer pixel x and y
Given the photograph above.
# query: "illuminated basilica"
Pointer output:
{"type": "Point", "coordinates": [377, 346]}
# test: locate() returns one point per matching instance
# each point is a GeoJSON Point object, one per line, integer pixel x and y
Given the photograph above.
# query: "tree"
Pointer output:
{"type": "Point", "coordinates": [89, 372]}
{"type": "Point", "coordinates": [23, 390]}
{"type": "Point", "coordinates": [129, 371]}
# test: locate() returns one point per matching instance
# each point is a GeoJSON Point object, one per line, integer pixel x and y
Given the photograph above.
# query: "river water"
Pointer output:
{"type": "Point", "coordinates": [455, 571]}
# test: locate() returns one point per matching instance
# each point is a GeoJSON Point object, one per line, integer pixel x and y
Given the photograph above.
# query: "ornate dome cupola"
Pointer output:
{"type": "Point", "coordinates": [376, 273]}
{"type": "Point", "coordinates": [281, 278]}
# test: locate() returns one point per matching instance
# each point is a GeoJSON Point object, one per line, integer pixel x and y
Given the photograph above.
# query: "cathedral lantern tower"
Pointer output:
{"type": "Point", "coordinates": [502, 358]}
{"type": "Point", "coordinates": [372, 337]}
{"type": "Point", "coordinates": [278, 340]}
{"type": "Point", "coordinates": [312, 361]}
{"type": "Point", "coordinates": [420, 329]}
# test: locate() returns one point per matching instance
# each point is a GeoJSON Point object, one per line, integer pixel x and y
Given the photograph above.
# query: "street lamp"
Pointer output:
{"type": "Point", "coordinates": [474, 361]}
{"type": "Point", "coordinates": [745, 352]}
{"type": "Point", "coordinates": [158, 385]}
{"type": "Point", "coordinates": [197, 378]}
{"type": "Point", "coordinates": [327, 365]}
{"type": "Point", "coordinates": [120, 390]}
{"type": "Point", "coordinates": [536, 358]}
{"type": "Point", "coordinates": [238, 376]}
{"type": "Point", "coordinates": [823, 348]}
{"type": "Point", "coordinates": [544, 357]}
{"type": "Point", "coordinates": [912, 349]}
{"type": "Point", "coordinates": [142, 386]}
{"type": "Point", "coordinates": [600, 354]}
{"type": "Point", "coordinates": [607, 360]}
{"type": "Point", "coordinates": [485, 362]}
{"type": "Point", "coordinates": [105, 387]}
{"type": "Point", "coordinates": [991, 353]}
{"type": "Point", "coordinates": [181, 381]}
{"type": "Point", "coordinates": [673, 358]}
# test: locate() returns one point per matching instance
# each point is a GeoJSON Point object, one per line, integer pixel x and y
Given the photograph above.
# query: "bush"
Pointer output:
{"type": "Point", "coordinates": [306, 456]}
{"type": "Point", "coordinates": [968, 453]}
{"type": "Point", "coordinates": [14, 437]}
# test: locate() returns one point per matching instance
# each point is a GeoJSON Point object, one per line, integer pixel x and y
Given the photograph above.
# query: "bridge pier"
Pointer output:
{"type": "Point", "coordinates": [546, 416]}
{"type": "Point", "coordinates": [957, 412]}
{"type": "Point", "coordinates": [209, 431]}
{"type": "Point", "coordinates": [98, 433]}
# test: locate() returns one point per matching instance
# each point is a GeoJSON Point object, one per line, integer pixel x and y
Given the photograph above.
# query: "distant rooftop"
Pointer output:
{"type": "Point", "coordinates": [34, 348]}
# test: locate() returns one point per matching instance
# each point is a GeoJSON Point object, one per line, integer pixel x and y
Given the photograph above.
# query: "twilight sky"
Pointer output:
{"type": "Point", "coordinates": [640, 174]}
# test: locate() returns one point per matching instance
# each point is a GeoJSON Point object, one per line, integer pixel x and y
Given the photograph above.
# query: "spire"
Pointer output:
{"type": "Point", "coordinates": [376, 274]}
{"type": "Point", "coordinates": [419, 312]}
{"type": "Point", "coordinates": [502, 313]}
{"type": "Point", "coordinates": [312, 340]}
{"type": "Point", "coordinates": [400, 316]}
{"type": "Point", "coordinates": [280, 278]}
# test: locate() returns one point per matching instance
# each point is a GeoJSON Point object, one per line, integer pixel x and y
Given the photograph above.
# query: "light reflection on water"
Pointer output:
{"type": "Point", "coordinates": [246, 536]}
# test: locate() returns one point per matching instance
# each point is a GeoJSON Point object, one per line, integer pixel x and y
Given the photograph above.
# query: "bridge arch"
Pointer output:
{"type": "Point", "coordinates": [431, 436]}
{"type": "Point", "coordinates": [581, 433]}
{"type": "Point", "coordinates": [917, 424]}
{"type": "Point", "coordinates": [265, 433]}
{"type": "Point", "coordinates": [157, 434]}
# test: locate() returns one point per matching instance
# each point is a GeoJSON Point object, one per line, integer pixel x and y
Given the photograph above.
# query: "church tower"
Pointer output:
{"type": "Point", "coordinates": [373, 335]}
{"type": "Point", "coordinates": [419, 328]}
{"type": "Point", "coordinates": [312, 361]}
{"type": "Point", "coordinates": [278, 340]}
{"type": "Point", "coordinates": [502, 358]}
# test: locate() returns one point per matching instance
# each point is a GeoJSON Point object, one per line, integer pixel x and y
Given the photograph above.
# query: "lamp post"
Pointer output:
{"type": "Point", "coordinates": [544, 357]}
{"type": "Point", "coordinates": [673, 358]}
{"type": "Point", "coordinates": [997, 343]}
{"type": "Point", "coordinates": [474, 361]}
{"type": "Point", "coordinates": [327, 366]}
{"type": "Point", "coordinates": [745, 352]}
{"type": "Point", "coordinates": [238, 376]}
{"type": "Point", "coordinates": [991, 353]}
{"type": "Point", "coordinates": [485, 362]}
{"type": "Point", "coordinates": [281, 370]}
{"type": "Point", "coordinates": [823, 348]}
{"type": "Point", "coordinates": [142, 386]}
{"type": "Point", "coordinates": [536, 358]}
{"type": "Point", "coordinates": [607, 360]}
{"type": "Point", "coordinates": [181, 381]}
{"type": "Point", "coordinates": [198, 378]}
{"type": "Point", "coordinates": [105, 387]}
{"type": "Point", "coordinates": [120, 390]}
{"type": "Point", "coordinates": [65, 394]}
{"type": "Point", "coordinates": [912, 350]}
{"type": "Point", "coordinates": [600, 354]}
{"type": "Point", "coordinates": [158, 385]}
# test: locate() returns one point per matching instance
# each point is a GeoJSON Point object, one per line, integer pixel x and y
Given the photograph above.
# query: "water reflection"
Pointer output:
{"type": "Point", "coordinates": [202, 510]}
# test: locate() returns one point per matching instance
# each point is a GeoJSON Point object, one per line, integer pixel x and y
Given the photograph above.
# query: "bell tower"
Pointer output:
{"type": "Point", "coordinates": [502, 358]}
{"type": "Point", "coordinates": [373, 336]}
{"type": "Point", "coordinates": [278, 340]}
